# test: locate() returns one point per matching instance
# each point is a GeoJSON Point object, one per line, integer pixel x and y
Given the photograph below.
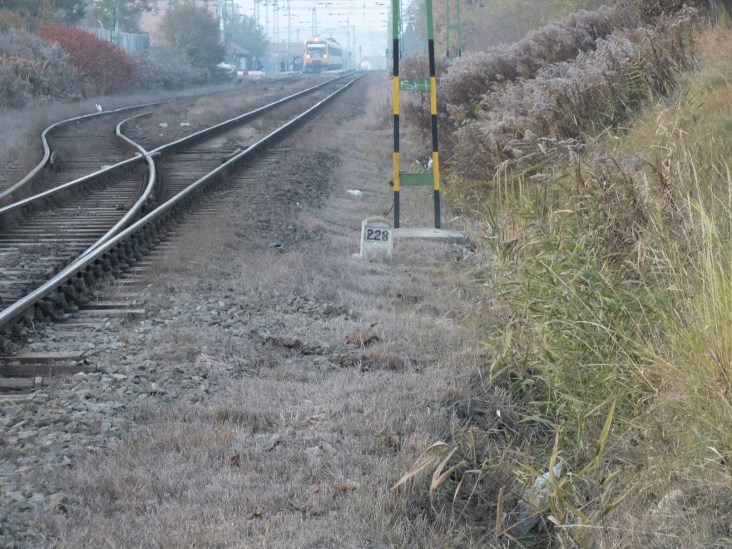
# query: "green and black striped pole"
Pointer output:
{"type": "Point", "coordinates": [395, 81]}
{"type": "Point", "coordinates": [433, 112]}
{"type": "Point", "coordinates": [415, 179]}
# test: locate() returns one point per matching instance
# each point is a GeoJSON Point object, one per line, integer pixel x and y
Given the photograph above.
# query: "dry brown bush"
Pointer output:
{"type": "Point", "coordinates": [162, 68]}
{"type": "Point", "coordinates": [476, 73]}
{"type": "Point", "coordinates": [35, 70]}
{"type": "Point", "coordinates": [599, 89]}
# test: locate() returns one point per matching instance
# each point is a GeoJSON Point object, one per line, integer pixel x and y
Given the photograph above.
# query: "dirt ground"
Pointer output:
{"type": "Point", "coordinates": [288, 383]}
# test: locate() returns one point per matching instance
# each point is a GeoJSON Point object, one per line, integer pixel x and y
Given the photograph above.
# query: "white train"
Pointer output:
{"type": "Point", "coordinates": [321, 54]}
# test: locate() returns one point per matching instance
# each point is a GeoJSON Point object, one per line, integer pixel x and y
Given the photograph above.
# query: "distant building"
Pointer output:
{"type": "Point", "coordinates": [242, 58]}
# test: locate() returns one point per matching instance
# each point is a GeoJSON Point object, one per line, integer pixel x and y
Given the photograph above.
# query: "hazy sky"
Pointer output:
{"type": "Point", "coordinates": [360, 23]}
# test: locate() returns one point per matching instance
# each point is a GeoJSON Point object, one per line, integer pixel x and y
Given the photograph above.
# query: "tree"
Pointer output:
{"type": "Point", "coordinates": [194, 33]}
{"type": "Point", "coordinates": [118, 15]}
{"type": "Point", "coordinates": [244, 31]}
{"type": "Point", "coordinates": [67, 11]}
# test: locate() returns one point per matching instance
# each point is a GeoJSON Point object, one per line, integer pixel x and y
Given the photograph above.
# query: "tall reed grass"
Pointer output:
{"type": "Point", "coordinates": [611, 333]}
{"type": "Point", "coordinates": [619, 287]}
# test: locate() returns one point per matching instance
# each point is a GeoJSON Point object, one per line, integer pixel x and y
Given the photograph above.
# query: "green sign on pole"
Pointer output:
{"type": "Point", "coordinates": [414, 85]}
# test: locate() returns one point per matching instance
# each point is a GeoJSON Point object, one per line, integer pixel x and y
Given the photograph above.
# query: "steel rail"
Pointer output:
{"type": "Point", "coordinates": [225, 125]}
{"type": "Point", "coordinates": [172, 146]}
{"type": "Point", "coordinates": [47, 148]}
{"type": "Point", "coordinates": [17, 309]}
{"type": "Point", "coordinates": [66, 186]}
{"type": "Point", "coordinates": [142, 199]}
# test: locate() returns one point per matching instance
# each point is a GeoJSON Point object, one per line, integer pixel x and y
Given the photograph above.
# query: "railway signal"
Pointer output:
{"type": "Point", "coordinates": [432, 176]}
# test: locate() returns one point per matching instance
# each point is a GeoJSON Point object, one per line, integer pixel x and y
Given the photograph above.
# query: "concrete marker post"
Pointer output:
{"type": "Point", "coordinates": [377, 238]}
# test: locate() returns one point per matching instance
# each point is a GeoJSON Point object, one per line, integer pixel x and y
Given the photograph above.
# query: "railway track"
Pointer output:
{"type": "Point", "coordinates": [78, 146]}
{"type": "Point", "coordinates": [52, 265]}
{"type": "Point", "coordinates": [72, 149]}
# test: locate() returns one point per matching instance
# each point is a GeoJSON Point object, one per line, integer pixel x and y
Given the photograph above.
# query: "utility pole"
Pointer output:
{"type": "Point", "coordinates": [115, 16]}
{"type": "Point", "coordinates": [226, 12]}
{"type": "Point", "coordinates": [275, 22]}
{"type": "Point", "coordinates": [452, 26]}
{"type": "Point", "coordinates": [348, 39]}
{"type": "Point", "coordinates": [289, 31]}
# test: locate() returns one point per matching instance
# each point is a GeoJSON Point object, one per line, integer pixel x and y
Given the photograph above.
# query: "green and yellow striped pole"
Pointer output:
{"type": "Point", "coordinates": [395, 80]}
{"type": "Point", "coordinates": [433, 112]}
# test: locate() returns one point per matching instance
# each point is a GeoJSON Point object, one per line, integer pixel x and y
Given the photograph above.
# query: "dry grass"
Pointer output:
{"type": "Point", "coordinates": [195, 479]}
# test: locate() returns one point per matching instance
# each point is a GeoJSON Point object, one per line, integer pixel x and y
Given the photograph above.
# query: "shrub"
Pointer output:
{"type": "Point", "coordinates": [600, 89]}
{"type": "Point", "coordinates": [14, 92]}
{"type": "Point", "coordinates": [41, 67]}
{"type": "Point", "coordinates": [476, 73]}
{"type": "Point", "coordinates": [105, 67]}
{"type": "Point", "coordinates": [162, 68]}
{"type": "Point", "coordinates": [651, 9]}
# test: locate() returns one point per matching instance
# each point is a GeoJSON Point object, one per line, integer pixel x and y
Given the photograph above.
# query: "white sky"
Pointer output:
{"type": "Point", "coordinates": [360, 23]}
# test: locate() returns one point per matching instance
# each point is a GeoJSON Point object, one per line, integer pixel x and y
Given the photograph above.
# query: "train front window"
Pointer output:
{"type": "Point", "coordinates": [315, 50]}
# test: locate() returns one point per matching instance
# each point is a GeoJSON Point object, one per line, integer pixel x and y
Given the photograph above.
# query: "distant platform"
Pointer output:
{"type": "Point", "coordinates": [250, 74]}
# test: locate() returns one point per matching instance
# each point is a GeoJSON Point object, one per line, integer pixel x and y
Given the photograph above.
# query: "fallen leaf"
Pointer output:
{"type": "Point", "coordinates": [371, 339]}
{"type": "Point", "coordinates": [316, 418]}
{"type": "Point", "coordinates": [345, 486]}
{"type": "Point", "coordinates": [313, 489]}
{"type": "Point", "coordinates": [290, 342]}
{"type": "Point", "coordinates": [361, 341]}
{"type": "Point", "coordinates": [274, 441]}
